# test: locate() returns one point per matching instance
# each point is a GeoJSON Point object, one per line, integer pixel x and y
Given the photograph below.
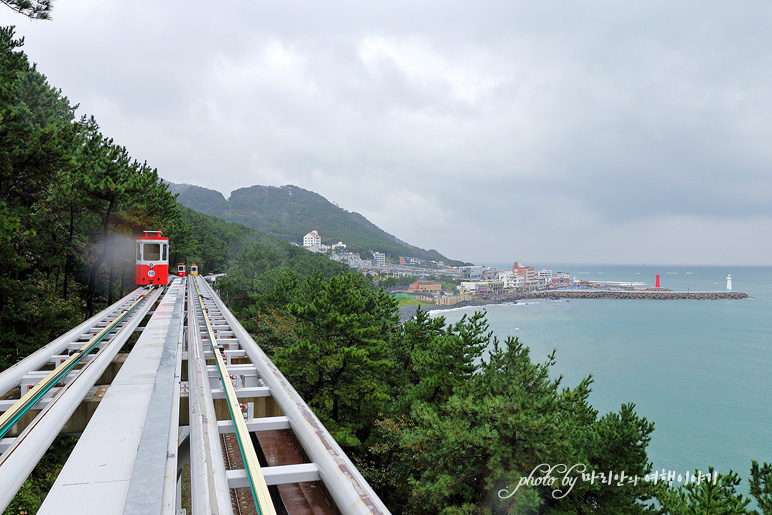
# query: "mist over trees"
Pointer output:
{"type": "Point", "coordinates": [71, 201]}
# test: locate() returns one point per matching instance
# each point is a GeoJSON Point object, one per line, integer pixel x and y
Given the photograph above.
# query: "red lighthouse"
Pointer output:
{"type": "Point", "coordinates": [657, 285]}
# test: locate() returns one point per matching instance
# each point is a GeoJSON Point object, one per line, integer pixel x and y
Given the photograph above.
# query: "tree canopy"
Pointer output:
{"type": "Point", "coordinates": [34, 9]}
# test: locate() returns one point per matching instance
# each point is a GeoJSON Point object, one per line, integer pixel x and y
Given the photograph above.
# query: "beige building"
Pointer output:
{"type": "Point", "coordinates": [425, 286]}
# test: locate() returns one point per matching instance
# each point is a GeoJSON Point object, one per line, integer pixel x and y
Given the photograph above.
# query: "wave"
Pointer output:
{"type": "Point", "coordinates": [439, 310]}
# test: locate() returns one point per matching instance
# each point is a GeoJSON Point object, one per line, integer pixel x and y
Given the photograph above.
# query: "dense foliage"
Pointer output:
{"type": "Point", "coordinates": [214, 244]}
{"type": "Point", "coordinates": [30, 496]}
{"type": "Point", "coordinates": [71, 202]}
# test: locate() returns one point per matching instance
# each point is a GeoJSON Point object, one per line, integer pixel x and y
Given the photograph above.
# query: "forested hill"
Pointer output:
{"type": "Point", "coordinates": [290, 212]}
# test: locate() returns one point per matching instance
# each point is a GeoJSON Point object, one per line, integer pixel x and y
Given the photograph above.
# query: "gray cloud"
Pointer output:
{"type": "Point", "coordinates": [598, 131]}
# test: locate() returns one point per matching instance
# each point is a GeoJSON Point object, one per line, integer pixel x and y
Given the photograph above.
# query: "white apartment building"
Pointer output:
{"type": "Point", "coordinates": [510, 279]}
{"type": "Point", "coordinates": [379, 258]}
{"type": "Point", "coordinates": [473, 288]}
{"type": "Point", "coordinates": [312, 239]}
{"type": "Point", "coordinates": [544, 276]}
{"type": "Point", "coordinates": [480, 287]}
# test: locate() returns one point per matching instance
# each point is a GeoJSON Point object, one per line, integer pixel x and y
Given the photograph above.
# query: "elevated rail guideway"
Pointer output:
{"type": "Point", "coordinates": [195, 392]}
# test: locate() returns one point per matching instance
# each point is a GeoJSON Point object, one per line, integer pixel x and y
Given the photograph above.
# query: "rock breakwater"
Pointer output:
{"type": "Point", "coordinates": [636, 294]}
{"type": "Point", "coordinates": [652, 294]}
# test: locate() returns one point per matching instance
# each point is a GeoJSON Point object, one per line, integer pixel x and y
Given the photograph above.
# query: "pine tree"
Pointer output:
{"type": "Point", "coordinates": [33, 9]}
{"type": "Point", "coordinates": [340, 362]}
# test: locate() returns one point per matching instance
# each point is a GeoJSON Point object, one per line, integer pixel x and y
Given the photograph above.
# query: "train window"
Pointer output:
{"type": "Point", "coordinates": [164, 257]}
{"type": "Point", "coordinates": [139, 251]}
{"type": "Point", "coordinates": [152, 252]}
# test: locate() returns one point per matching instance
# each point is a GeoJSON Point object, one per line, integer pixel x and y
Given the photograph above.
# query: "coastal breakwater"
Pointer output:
{"type": "Point", "coordinates": [459, 301]}
{"type": "Point", "coordinates": [636, 294]}
{"type": "Point", "coordinates": [647, 294]}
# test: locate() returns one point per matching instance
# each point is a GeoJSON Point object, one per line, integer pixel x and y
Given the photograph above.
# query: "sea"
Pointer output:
{"type": "Point", "coordinates": [701, 370]}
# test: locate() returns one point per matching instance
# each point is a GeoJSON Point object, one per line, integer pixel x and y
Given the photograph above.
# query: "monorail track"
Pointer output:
{"type": "Point", "coordinates": [193, 381]}
{"type": "Point", "coordinates": [257, 485]}
{"type": "Point", "coordinates": [105, 333]}
{"type": "Point", "coordinates": [36, 392]}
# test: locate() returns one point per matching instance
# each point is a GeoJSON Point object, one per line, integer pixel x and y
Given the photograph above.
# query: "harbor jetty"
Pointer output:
{"type": "Point", "coordinates": [589, 293]}
{"type": "Point", "coordinates": [655, 294]}
{"type": "Point", "coordinates": [460, 301]}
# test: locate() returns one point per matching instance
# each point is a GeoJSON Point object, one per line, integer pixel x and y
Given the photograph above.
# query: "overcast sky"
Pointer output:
{"type": "Point", "coordinates": [542, 131]}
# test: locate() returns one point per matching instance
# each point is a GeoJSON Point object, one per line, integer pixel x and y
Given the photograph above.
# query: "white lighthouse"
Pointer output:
{"type": "Point", "coordinates": [729, 282]}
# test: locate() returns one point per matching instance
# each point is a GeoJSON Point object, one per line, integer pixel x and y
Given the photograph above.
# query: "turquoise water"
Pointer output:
{"type": "Point", "coordinates": [701, 370]}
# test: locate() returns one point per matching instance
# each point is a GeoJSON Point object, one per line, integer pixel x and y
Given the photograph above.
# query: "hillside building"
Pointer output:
{"type": "Point", "coordinates": [312, 239]}
{"type": "Point", "coordinates": [313, 242]}
{"type": "Point", "coordinates": [352, 259]}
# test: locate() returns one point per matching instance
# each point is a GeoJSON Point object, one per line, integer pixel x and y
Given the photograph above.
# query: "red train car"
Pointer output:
{"type": "Point", "coordinates": [181, 270]}
{"type": "Point", "coordinates": [152, 258]}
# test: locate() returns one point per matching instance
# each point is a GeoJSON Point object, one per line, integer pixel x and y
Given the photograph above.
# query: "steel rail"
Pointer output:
{"type": "Point", "coordinates": [12, 376]}
{"type": "Point", "coordinates": [229, 466]}
{"type": "Point", "coordinates": [350, 491]}
{"type": "Point", "coordinates": [209, 491]}
{"type": "Point", "coordinates": [260, 493]}
{"type": "Point", "coordinates": [29, 399]}
{"type": "Point", "coordinates": [20, 459]}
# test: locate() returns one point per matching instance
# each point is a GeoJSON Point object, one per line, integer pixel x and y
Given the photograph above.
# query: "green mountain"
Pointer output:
{"type": "Point", "coordinates": [289, 213]}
